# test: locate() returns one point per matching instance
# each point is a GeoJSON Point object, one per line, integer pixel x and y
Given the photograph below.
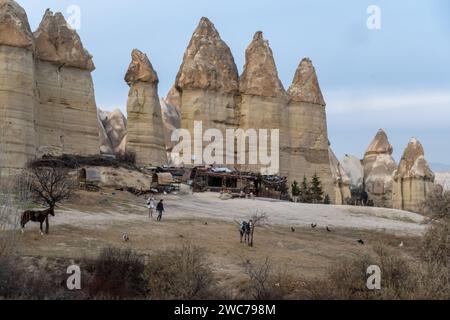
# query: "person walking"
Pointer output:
{"type": "Point", "coordinates": [160, 209]}
{"type": "Point", "coordinates": [151, 206]}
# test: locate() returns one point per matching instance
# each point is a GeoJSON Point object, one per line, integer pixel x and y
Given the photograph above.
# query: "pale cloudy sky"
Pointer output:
{"type": "Point", "coordinates": [396, 78]}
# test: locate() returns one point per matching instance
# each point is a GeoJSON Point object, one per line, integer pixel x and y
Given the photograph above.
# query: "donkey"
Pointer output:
{"type": "Point", "coordinates": [36, 216]}
{"type": "Point", "coordinates": [245, 230]}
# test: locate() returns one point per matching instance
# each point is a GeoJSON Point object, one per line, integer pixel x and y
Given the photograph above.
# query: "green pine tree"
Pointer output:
{"type": "Point", "coordinates": [305, 192]}
{"type": "Point", "coordinates": [316, 189]}
{"type": "Point", "coordinates": [327, 199]}
{"type": "Point", "coordinates": [295, 189]}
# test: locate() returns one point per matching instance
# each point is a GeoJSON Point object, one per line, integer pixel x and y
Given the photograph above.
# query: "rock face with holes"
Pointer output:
{"type": "Point", "coordinates": [379, 167]}
{"type": "Point", "coordinates": [145, 131]}
{"type": "Point", "coordinates": [308, 150]}
{"type": "Point", "coordinates": [66, 112]}
{"type": "Point", "coordinates": [413, 178]}
{"type": "Point", "coordinates": [263, 102]}
{"type": "Point", "coordinates": [113, 132]}
{"type": "Point", "coordinates": [207, 82]}
{"type": "Point", "coordinates": [17, 88]}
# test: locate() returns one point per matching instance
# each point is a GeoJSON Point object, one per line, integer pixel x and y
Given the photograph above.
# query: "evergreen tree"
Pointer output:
{"type": "Point", "coordinates": [295, 189]}
{"type": "Point", "coordinates": [316, 189]}
{"type": "Point", "coordinates": [305, 192]}
{"type": "Point", "coordinates": [327, 199]}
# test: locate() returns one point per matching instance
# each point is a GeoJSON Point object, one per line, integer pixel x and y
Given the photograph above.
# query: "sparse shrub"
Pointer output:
{"type": "Point", "coordinates": [348, 278]}
{"type": "Point", "coordinates": [264, 283]}
{"type": "Point", "coordinates": [437, 204]}
{"type": "Point", "coordinates": [117, 274]}
{"type": "Point", "coordinates": [180, 274]}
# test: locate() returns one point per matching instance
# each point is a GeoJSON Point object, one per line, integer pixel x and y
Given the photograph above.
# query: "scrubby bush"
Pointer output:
{"type": "Point", "coordinates": [437, 204]}
{"type": "Point", "coordinates": [180, 274]}
{"type": "Point", "coordinates": [264, 283]}
{"type": "Point", "coordinates": [117, 274]}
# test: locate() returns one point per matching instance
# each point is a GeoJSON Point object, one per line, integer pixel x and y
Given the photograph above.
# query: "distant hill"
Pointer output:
{"type": "Point", "coordinates": [440, 167]}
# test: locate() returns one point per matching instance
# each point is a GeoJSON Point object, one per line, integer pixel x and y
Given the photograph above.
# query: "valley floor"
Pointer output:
{"type": "Point", "coordinates": [93, 221]}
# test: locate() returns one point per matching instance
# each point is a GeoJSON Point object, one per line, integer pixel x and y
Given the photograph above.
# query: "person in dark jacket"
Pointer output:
{"type": "Point", "coordinates": [160, 209]}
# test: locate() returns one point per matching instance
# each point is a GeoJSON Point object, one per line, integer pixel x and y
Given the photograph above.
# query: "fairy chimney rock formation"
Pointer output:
{"type": "Point", "coordinates": [308, 150]}
{"type": "Point", "coordinates": [260, 76]}
{"type": "Point", "coordinates": [208, 63]}
{"type": "Point", "coordinates": [207, 82]}
{"type": "Point", "coordinates": [66, 113]}
{"type": "Point", "coordinates": [15, 30]}
{"type": "Point", "coordinates": [56, 42]}
{"type": "Point", "coordinates": [413, 178]}
{"type": "Point", "coordinates": [263, 98]}
{"type": "Point", "coordinates": [379, 167]}
{"type": "Point", "coordinates": [17, 88]}
{"type": "Point", "coordinates": [145, 133]}
{"type": "Point", "coordinates": [305, 87]}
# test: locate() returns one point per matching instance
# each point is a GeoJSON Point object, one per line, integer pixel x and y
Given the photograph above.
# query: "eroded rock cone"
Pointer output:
{"type": "Point", "coordinates": [208, 84]}
{"type": "Point", "coordinates": [379, 167]}
{"type": "Point", "coordinates": [308, 134]}
{"type": "Point", "coordinates": [145, 131]}
{"type": "Point", "coordinates": [67, 113]}
{"type": "Point", "coordinates": [413, 178]}
{"type": "Point", "coordinates": [15, 30]}
{"type": "Point", "coordinates": [17, 89]}
{"type": "Point", "coordinates": [263, 98]}
{"type": "Point", "coordinates": [305, 87]}
{"type": "Point", "coordinates": [56, 42]}
{"type": "Point", "coordinates": [260, 76]}
{"type": "Point", "coordinates": [208, 62]}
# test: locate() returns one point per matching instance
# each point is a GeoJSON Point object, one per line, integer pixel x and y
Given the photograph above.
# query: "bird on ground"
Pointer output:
{"type": "Point", "coordinates": [292, 229]}
{"type": "Point", "coordinates": [401, 244]}
{"type": "Point", "coordinates": [328, 229]}
{"type": "Point", "coordinates": [313, 225]}
{"type": "Point", "coordinates": [361, 242]}
{"type": "Point", "coordinates": [125, 237]}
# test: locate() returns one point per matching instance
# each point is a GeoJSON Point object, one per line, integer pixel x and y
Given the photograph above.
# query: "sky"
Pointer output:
{"type": "Point", "coordinates": [395, 77]}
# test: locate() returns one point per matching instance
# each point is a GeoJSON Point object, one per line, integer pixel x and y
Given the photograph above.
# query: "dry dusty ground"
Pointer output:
{"type": "Point", "coordinates": [96, 220]}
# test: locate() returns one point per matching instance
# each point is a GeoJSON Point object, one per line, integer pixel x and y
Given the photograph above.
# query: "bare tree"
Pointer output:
{"type": "Point", "coordinates": [258, 219]}
{"type": "Point", "coordinates": [51, 185]}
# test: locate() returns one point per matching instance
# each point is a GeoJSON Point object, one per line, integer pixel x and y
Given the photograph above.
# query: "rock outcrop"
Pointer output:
{"type": "Point", "coordinates": [145, 131]}
{"type": "Point", "coordinates": [308, 150]}
{"type": "Point", "coordinates": [341, 181]}
{"type": "Point", "coordinates": [379, 167]}
{"type": "Point", "coordinates": [355, 171]}
{"type": "Point", "coordinates": [113, 132]}
{"type": "Point", "coordinates": [413, 178]}
{"type": "Point", "coordinates": [17, 88]}
{"type": "Point", "coordinates": [263, 98]}
{"type": "Point", "coordinates": [208, 82]}
{"type": "Point", "coordinates": [66, 113]}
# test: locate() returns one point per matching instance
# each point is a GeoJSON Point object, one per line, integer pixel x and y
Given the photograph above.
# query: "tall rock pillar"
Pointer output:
{"type": "Point", "coordinates": [17, 88]}
{"type": "Point", "coordinates": [379, 167]}
{"type": "Point", "coordinates": [413, 179]}
{"type": "Point", "coordinates": [207, 82]}
{"type": "Point", "coordinates": [145, 130]}
{"type": "Point", "coordinates": [66, 113]}
{"type": "Point", "coordinates": [263, 98]}
{"type": "Point", "coordinates": [308, 146]}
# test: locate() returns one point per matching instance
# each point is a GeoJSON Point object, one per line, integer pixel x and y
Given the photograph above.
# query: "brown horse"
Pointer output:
{"type": "Point", "coordinates": [36, 216]}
